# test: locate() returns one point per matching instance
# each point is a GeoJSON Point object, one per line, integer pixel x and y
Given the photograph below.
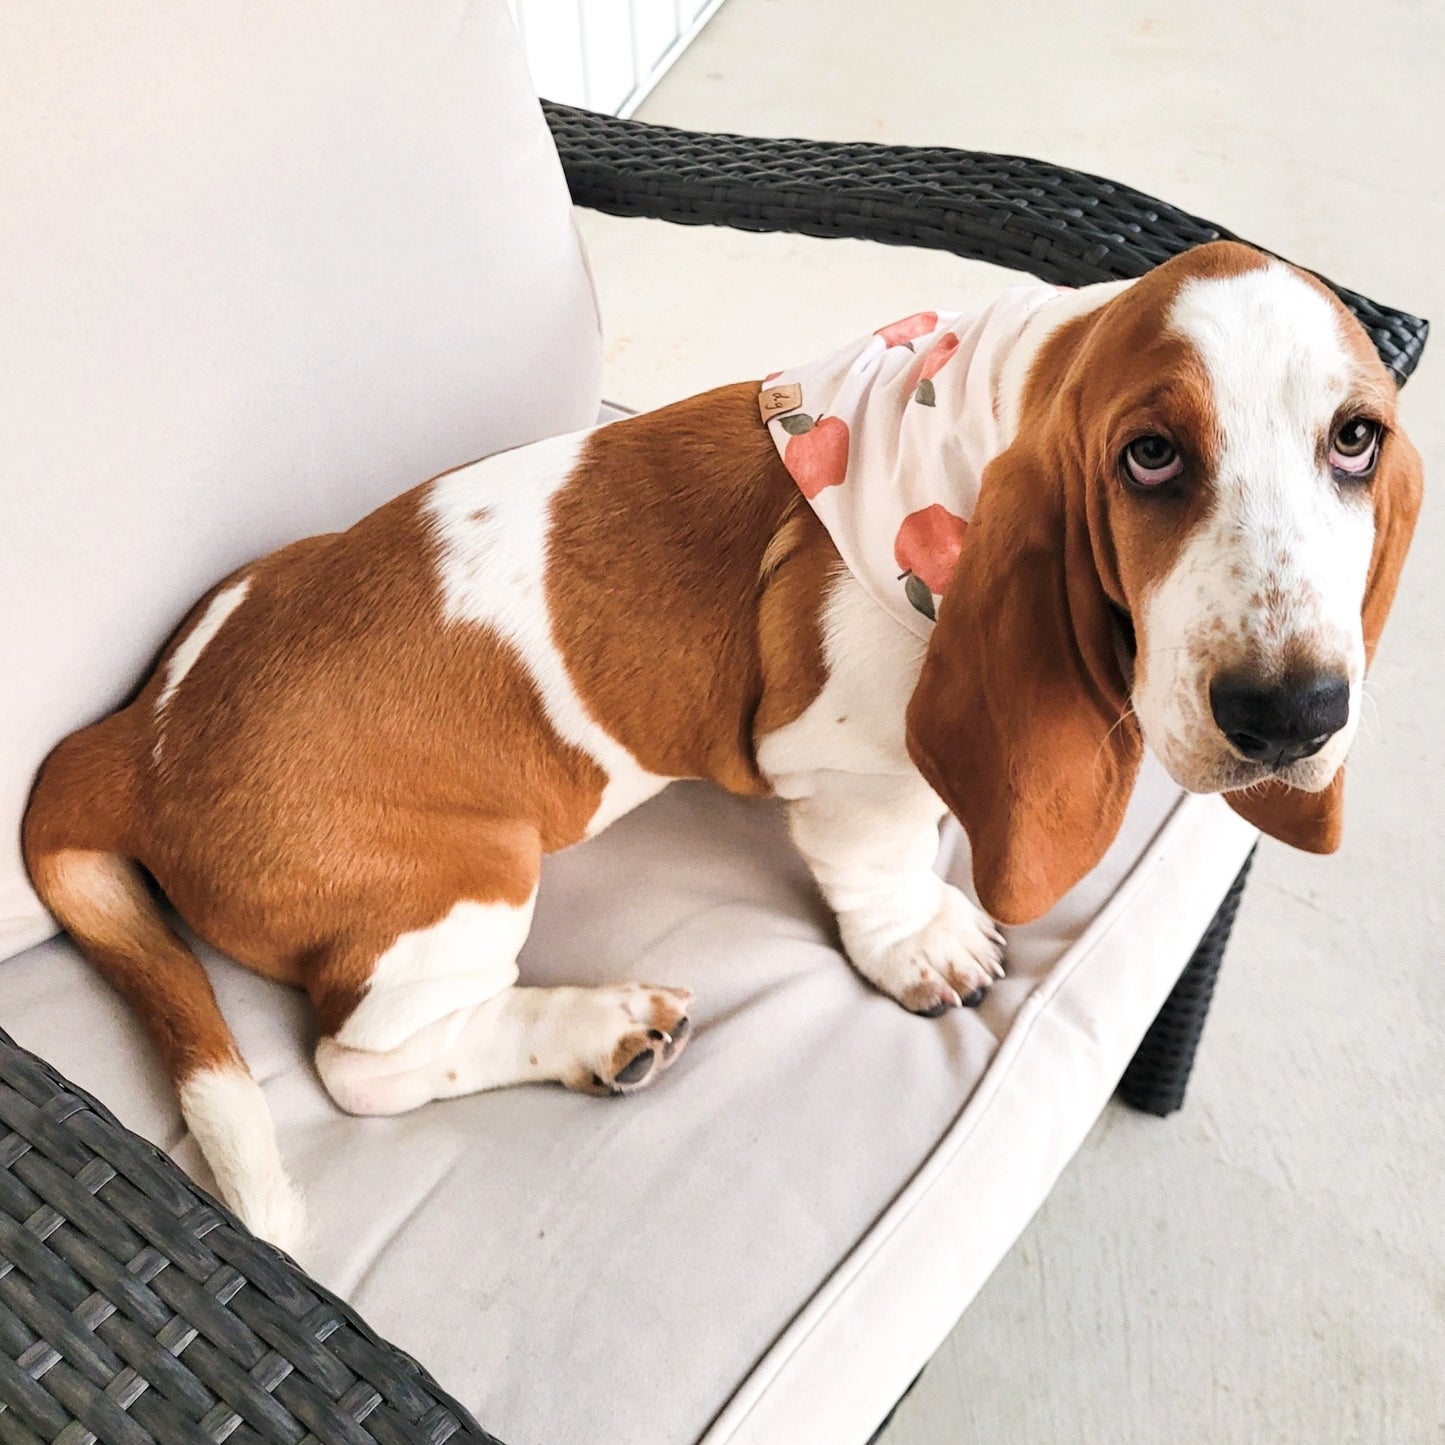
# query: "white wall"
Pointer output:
{"type": "Point", "coordinates": [605, 54]}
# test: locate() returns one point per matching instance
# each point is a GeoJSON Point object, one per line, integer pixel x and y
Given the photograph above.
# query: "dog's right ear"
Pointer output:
{"type": "Point", "coordinates": [1020, 720]}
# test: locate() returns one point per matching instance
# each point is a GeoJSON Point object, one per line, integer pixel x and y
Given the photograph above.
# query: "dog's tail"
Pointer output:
{"type": "Point", "coordinates": [77, 848]}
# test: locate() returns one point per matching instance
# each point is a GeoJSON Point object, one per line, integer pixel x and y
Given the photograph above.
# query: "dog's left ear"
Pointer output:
{"type": "Point", "coordinates": [1020, 719]}
{"type": "Point", "coordinates": [1315, 821]}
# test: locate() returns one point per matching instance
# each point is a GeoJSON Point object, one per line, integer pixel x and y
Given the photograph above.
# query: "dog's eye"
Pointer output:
{"type": "Point", "coordinates": [1355, 447]}
{"type": "Point", "coordinates": [1152, 460]}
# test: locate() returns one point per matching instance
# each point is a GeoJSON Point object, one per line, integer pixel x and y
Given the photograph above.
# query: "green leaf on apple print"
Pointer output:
{"type": "Point", "coordinates": [796, 424]}
{"type": "Point", "coordinates": [925, 396]}
{"type": "Point", "coordinates": [916, 590]}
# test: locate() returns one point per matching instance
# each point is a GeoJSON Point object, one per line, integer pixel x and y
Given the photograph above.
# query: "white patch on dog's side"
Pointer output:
{"type": "Point", "coordinates": [865, 820]}
{"type": "Point", "coordinates": [194, 643]}
{"type": "Point", "coordinates": [466, 958]}
{"type": "Point", "coordinates": [492, 520]}
{"type": "Point", "coordinates": [1277, 569]}
{"type": "Point", "coordinates": [227, 1115]}
{"type": "Point", "coordinates": [855, 724]}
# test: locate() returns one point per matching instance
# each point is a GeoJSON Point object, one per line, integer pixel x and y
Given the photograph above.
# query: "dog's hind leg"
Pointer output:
{"type": "Point", "coordinates": [440, 1014]}
{"type": "Point", "coordinates": [610, 1040]}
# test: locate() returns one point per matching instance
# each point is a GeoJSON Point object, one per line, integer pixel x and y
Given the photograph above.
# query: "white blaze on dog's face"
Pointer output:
{"type": "Point", "coordinates": [1251, 651]}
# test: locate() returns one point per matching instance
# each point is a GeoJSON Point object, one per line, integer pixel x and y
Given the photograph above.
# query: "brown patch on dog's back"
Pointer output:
{"type": "Point", "coordinates": [665, 541]}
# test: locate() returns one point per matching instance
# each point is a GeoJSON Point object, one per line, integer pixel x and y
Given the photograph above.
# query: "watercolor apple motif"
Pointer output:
{"type": "Point", "coordinates": [817, 451]}
{"type": "Point", "coordinates": [931, 365]}
{"type": "Point", "coordinates": [927, 549]}
{"type": "Point", "coordinates": [905, 332]}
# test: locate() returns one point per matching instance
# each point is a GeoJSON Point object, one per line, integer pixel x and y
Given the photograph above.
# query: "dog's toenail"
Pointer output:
{"type": "Point", "coordinates": [674, 1042]}
{"type": "Point", "coordinates": [637, 1069]}
{"type": "Point", "coordinates": [657, 1034]}
{"type": "Point", "coordinates": [937, 1011]}
{"type": "Point", "coordinates": [599, 1082]}
{"type": "Point", "coordinates": [972, 1000]}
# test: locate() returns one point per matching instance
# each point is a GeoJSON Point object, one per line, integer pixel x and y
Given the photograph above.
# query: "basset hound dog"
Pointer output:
{"type": "Point", "coordinates": [1168, 512]}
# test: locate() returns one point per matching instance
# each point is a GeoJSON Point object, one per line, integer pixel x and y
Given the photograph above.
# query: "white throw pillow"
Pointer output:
{"type": "Point", "coordinates": [264, 265]}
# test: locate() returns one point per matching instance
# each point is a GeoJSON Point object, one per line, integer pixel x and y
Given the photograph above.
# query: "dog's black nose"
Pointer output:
{"type": "Point", "coordinates": [1280, 723]}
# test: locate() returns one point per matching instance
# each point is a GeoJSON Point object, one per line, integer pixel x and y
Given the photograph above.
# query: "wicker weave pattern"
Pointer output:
{"type": "Point", "coordinates": [1158, 1074]}
{"type": "Point", "coordinates": [133, 1308]}
{"type": "Point", "coordinates": [1061, 225]}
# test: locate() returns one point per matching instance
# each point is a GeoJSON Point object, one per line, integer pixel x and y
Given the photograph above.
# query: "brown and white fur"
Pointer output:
{"type": "Point", "coordinates": [354, 753]}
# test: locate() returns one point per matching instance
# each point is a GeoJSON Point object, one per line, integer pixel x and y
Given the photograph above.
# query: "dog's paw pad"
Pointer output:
{"type": "Point", "coordinates": [631, 1035]}
{"type": "Point", "coordinates": [639, 1068]}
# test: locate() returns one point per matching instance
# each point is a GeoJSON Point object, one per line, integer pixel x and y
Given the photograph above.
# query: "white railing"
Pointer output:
{"type": "Point", "coordinates": [605, 54]}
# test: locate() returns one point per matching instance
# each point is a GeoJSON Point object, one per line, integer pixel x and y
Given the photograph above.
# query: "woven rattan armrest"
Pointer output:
{"type": "Point", "coordinates": [1061, 225]}
{"type": "Point", "coordinates": [134, 1308]}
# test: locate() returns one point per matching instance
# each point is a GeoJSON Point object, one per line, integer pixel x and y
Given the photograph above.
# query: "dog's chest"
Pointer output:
{"type": "Point", "coordinates": [856, 723]}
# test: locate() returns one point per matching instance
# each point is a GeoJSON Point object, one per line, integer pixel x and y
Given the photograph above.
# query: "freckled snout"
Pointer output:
{"type": "Point", "coordinates": [1280, 723]}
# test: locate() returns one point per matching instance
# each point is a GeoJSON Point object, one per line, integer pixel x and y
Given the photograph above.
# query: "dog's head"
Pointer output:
{"type": "Point", "coordinates": [1205, 487]}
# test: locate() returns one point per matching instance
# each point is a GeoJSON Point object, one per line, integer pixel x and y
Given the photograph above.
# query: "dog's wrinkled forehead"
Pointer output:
{"type": "Point", "coordinates": [1221, 335]}
{"type": "Point", "coordinates": [1237, 366]}
{"type": "Point", "coordinates": [1274, 353]}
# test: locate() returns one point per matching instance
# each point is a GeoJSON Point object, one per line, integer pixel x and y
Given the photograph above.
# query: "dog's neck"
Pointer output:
{"type": "Point", "coordinates": [888, 439]}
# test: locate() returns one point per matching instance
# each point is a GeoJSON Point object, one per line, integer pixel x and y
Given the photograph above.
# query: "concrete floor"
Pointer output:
{"type": "Point", "coordinates": [1270, 1264]}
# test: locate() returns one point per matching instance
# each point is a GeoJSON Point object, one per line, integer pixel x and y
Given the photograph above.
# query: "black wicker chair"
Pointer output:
{"type": "Point", "coordinates": [134, 1308]}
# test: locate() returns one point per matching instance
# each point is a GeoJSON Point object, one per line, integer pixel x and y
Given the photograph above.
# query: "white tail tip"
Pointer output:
{"type": "Point", "coordinates": [226, 1113]}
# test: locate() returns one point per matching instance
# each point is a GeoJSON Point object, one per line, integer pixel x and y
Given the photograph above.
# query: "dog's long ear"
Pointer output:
{"type": "Point", "coordinates": [1020, 720]}
{"type": "Point", "coordinates": [1314, 821]}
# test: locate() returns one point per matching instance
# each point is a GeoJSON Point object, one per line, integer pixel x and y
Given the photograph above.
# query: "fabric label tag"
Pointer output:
{"type": "Point", "coordinates": [775, 399]}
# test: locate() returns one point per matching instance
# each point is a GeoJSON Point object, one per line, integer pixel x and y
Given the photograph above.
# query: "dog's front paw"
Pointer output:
{"type": "Point", "coordinates": [948, 963]}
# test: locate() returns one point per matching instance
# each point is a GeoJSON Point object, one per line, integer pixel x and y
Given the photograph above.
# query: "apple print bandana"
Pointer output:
{"type": "Point", "coordinates": [888, 439]}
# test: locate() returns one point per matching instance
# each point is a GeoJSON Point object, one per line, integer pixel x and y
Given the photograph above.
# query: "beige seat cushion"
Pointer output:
{"type": "Point", "coordinates": [769, 1245]}
{"type": "Point", "coordinates": [264, 265]}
